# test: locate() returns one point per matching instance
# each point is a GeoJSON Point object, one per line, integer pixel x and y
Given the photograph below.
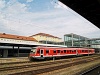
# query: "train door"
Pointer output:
{"type": "Point", "coordinates": [41, 52]}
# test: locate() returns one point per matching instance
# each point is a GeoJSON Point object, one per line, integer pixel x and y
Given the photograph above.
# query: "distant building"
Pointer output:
{"type": "Point", "coordinates": [47, 38]}
{"type": "Point", "coordinates": [95, 43]}
{"type": "Point", "coordinates": [74, 40]}
{"type": "Point", "coordinates": [16, 37]}
{"type": "Point", "coordinates": [11, 45]}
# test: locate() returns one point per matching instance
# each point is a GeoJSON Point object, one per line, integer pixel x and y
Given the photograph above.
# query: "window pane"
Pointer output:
{"type": "Point", "coordinates": [58, 51]}
{"type": "Point", "coordinates": [47, 51]}
{"type": "Point", "coordinates": [61, 51]}
{"type": "Point", "coordinates": [54, 51]}
{"type": "Point", "coordinates": [64, 51]}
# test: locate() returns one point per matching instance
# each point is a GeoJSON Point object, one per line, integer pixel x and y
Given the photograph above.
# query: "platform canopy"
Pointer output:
{"type": "Point", "coordinates": [89, 9]}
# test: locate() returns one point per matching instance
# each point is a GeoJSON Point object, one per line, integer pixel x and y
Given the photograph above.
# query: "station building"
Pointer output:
{"type": "Point", "coordinates": [17, 46]}
{"type": "Point", "coordinates": [20, 46]}
{"type": "Point", "coordinates": [14, 45]}
{"type": "Point", "coordinates": [47, 38]}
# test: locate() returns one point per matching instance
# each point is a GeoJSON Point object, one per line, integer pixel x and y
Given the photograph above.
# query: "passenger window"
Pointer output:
{"type": "Point", "coordinates": [54, 51]}
{"type": "Point", "coordinates": [74, 50]}
{"type": "Point", "coordinates": [58, 51]}
{"type": "Point", "coordinates": [67, 51]}
{"type": "Point", "coordinates": [64, 51]}
{"type": "Point", "coordinates": [47, 51]}
{"type": "Point", "coordinates": [61, 51]}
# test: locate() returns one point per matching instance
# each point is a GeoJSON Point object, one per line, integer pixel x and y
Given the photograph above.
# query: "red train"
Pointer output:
{"type": "Point", "coordinates": [47, 52]}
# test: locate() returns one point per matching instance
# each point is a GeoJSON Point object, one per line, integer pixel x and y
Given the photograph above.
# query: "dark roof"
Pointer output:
{"type": "Point", "coordinates": [10, 36]}
{"type": "Point", "coordinates": [89, 9]}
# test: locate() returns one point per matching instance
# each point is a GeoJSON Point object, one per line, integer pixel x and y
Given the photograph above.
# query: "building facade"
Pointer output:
{"type": "Point", "coordinates": [14, 45]}
{"type": "Point", "coordinates": [95, 43]}
{"type": "Point", "coordinates": [47, 38]}
{"type": "Point", "coordinates": [74, 40]}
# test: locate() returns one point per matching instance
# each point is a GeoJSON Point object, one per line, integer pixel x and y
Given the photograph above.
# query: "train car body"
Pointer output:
{"type": "Point", "coordinates": [48, 52]}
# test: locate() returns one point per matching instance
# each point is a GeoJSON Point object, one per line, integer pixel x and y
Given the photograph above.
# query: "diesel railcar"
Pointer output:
{"type": "Point", "coordinates": [49, 52]}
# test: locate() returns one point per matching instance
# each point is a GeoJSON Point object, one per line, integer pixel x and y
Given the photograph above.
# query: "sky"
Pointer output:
{"type": "Point", "coordinates": [29, 17]}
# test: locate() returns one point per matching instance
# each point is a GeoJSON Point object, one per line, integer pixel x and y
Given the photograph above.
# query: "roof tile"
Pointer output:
{"type": "Point", "coordinates": [10, 36]}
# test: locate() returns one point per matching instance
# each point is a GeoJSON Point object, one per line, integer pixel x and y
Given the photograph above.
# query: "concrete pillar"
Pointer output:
{"type": "Point", "coordinates": [5, 53]}
{"type": "Point", "coordinates": [13, 47]}
{"type": "Point", "coordinates": [72, 41]}
{"type": "Point", "coordinates": [64, 39]}
{"type": "Point", "coordinates": [79, 41]}
{"type": "Point", "coordinates": [13, 51]}
{"type": "Point", "coordinates": [18, 51]}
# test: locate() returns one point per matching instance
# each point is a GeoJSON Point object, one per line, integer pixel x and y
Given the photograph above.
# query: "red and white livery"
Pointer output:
{"type": "Point", "coordinates": [47, 52]}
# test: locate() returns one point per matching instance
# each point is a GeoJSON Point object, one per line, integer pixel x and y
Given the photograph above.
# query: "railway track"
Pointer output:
{"type": "Point", "coordinates": [44, 70]}
{"type": "Point", "coordinates": [47, 63]}
{"type": "Point", "coordinates": [35, 61]}
{"type": "Point", "coordinates": [36, 65]}
{"type": "Point", "coordinates": [15, 63]}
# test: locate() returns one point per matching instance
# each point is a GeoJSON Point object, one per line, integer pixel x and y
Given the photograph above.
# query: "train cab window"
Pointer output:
{"type": "Point", "coordinates": [58, 51]}
{"type": "Point", "coordinates": [47, 51]}
{"type": "Point", "coordinates": [33, 50]}
{"type": "Point", "coordinates": [54, 51]}
{"type": "Point", "coordinates": [64, 51]}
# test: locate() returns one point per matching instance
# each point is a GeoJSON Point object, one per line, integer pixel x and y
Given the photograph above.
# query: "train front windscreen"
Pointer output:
{"type": "Point", "coordinates": [33, 50]}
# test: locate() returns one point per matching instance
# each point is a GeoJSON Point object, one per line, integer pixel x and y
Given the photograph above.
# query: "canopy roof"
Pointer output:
{"type": "Point", "coordinates": [89, 9]}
